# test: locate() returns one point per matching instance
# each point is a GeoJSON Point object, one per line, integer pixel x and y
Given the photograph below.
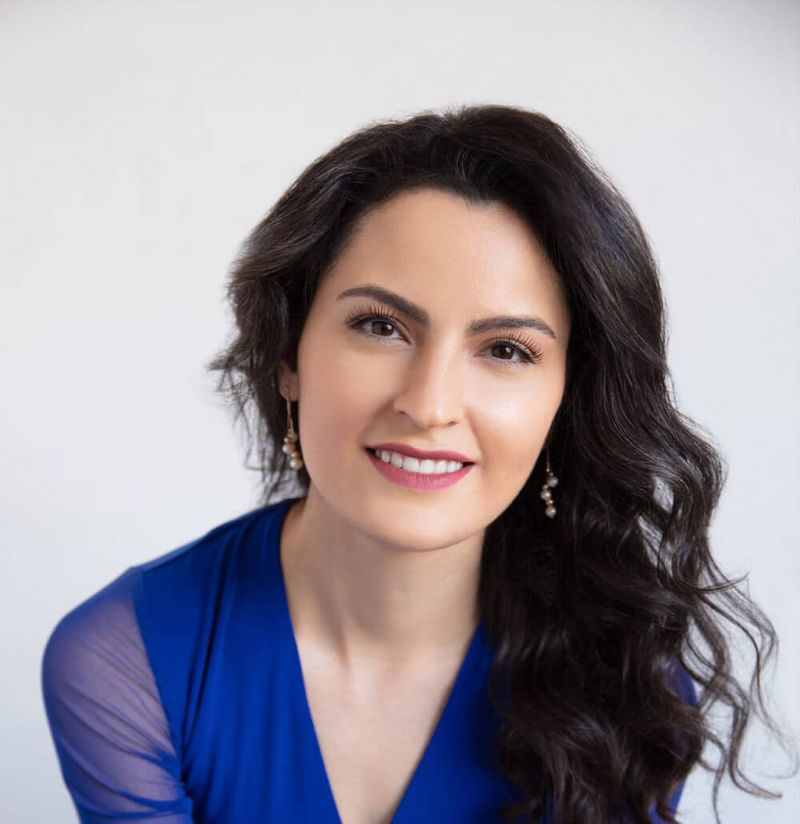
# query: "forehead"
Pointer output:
{"type": "Point", "coordinates": [441, 251]}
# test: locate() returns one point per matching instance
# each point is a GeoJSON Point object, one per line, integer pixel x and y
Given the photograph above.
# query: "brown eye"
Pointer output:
{"type": "Point", "coordinates": [527, 351]}
{"type": "Point", "coordinates": [507, 348]}
{"type": "Point", "coordinates": [384, 324]}
{"type": "Point", "coordinates": [374, 323]}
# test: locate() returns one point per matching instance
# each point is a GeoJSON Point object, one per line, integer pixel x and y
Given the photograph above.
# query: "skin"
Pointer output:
{"type": "Point", "coordinates": [382, 579]}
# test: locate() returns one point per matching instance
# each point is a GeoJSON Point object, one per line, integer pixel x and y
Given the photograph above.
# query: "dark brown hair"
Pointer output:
{"type": "Point", "coordinates": [590, 611]}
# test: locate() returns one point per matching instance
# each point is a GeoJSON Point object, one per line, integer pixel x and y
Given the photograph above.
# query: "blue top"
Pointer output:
{"type": "Point", "coordinates": [176, 693]}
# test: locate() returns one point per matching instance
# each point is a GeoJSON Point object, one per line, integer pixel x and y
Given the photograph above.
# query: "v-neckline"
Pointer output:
{"type": "Point", "coordinates": [308, 719]}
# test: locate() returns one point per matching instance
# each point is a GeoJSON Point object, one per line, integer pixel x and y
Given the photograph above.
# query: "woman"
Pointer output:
{"type": "Point", "coordinates": [479, 587]}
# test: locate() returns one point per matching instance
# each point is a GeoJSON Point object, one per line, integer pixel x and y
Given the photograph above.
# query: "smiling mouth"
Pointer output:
{"type": "Point", "coordinates": [435, 475]}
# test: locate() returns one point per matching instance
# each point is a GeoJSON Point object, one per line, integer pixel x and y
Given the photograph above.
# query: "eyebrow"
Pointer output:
{"type": "Point", "coordinates": [419, 315]}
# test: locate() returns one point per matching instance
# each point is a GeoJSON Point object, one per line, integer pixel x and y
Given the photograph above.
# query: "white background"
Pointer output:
{"type": "Point", "coordinates": [142, 140]}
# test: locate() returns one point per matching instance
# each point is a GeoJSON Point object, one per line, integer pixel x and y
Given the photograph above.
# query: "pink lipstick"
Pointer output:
{"type": "Point", "coordinates": [418, 480]}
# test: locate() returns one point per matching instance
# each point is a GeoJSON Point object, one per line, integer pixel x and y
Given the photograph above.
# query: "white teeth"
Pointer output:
{"type": "Point", "coordinates": [426, 466]}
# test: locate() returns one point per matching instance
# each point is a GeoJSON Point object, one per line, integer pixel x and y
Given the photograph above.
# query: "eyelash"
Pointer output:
{"type": "Point", "coordinates": [527, 350]}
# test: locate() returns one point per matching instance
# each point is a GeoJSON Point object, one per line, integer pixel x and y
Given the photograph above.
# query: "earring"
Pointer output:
{"type": "Point", "coordinates": [546, 495]}
{"type": "Point", "coordinates": [290, 440]}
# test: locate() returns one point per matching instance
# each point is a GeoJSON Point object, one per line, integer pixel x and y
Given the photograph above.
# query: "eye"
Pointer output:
{"type": "Point", "coordinates": [527, 350]}
{"type": "Point", "coordinates": [378, 318]}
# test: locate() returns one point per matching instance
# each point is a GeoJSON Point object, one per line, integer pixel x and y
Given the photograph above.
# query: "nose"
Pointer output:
{"type": "Point", "coordinates": [432, 392]}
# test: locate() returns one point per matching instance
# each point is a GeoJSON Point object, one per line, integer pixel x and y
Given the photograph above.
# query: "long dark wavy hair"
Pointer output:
{"type": "Point", "coordinates": [589, 611]}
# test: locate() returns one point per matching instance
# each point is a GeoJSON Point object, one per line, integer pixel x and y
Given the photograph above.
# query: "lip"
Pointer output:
{"type": "Point", "coordinates": [434, 455]}
{"type": "Point", "coordinates": [417, 480]}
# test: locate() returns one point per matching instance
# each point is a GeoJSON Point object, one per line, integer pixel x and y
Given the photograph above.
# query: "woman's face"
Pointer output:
{"type": "Point", "coordinates": [425, 379]}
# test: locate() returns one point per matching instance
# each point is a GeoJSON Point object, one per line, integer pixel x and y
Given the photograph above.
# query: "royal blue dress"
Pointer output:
{"type": "Point", "coordinates": [176, 694]}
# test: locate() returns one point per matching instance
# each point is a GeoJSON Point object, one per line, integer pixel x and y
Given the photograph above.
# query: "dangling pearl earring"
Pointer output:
{"type": "Point", "coordinates": [546, 495]}
{"type": "Point", "coordinates": [290, 440]}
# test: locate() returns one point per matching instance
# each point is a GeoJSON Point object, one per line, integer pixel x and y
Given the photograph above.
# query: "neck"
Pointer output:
{"type": "Point", "coordinates": [371, 601]}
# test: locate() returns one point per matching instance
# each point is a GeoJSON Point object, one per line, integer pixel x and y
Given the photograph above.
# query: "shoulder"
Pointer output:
{"type": "Point", "coordinates": [225, 538]}
{"type": "Point", "coordinates": [100, 631]}
{"type": "Point", "coordinates": [110, 615]}
{"type": "Point", "coordinates": [147, 627]}
{"type": "Point", "coordinates": [193, 604]}
{"type": "Point", "coordinates": [180, 585]}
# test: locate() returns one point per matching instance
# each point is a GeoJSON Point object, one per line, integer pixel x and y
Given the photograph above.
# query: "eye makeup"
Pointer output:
{"type": "Point", "coordinates": [528, 351]}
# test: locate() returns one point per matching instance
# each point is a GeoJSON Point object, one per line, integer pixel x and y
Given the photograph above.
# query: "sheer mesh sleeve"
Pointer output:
{"type": "Point", "coordinates": [109, 728]}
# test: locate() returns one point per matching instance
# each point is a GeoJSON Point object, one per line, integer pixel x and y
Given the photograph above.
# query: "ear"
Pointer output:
{"type": "Point", "coordinates": [287, 382]}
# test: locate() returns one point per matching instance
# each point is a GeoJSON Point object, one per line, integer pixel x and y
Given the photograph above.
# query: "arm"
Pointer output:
{"type": "Point", "coordinates": [110, 732]}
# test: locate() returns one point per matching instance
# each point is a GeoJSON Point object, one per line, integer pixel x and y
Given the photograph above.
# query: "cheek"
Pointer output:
{"type": "Point", "coordinates": [347, 380]}
{"type": "Point", "coordinates": [340, 386]}
{"type": "Point", "coordinates": [513, 428]}
{"type": "Point", "coordinates": [337, 399]}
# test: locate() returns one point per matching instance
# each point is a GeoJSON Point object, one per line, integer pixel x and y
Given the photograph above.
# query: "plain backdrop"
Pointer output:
{"type": "Point", "coordinates": [140, 143]}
